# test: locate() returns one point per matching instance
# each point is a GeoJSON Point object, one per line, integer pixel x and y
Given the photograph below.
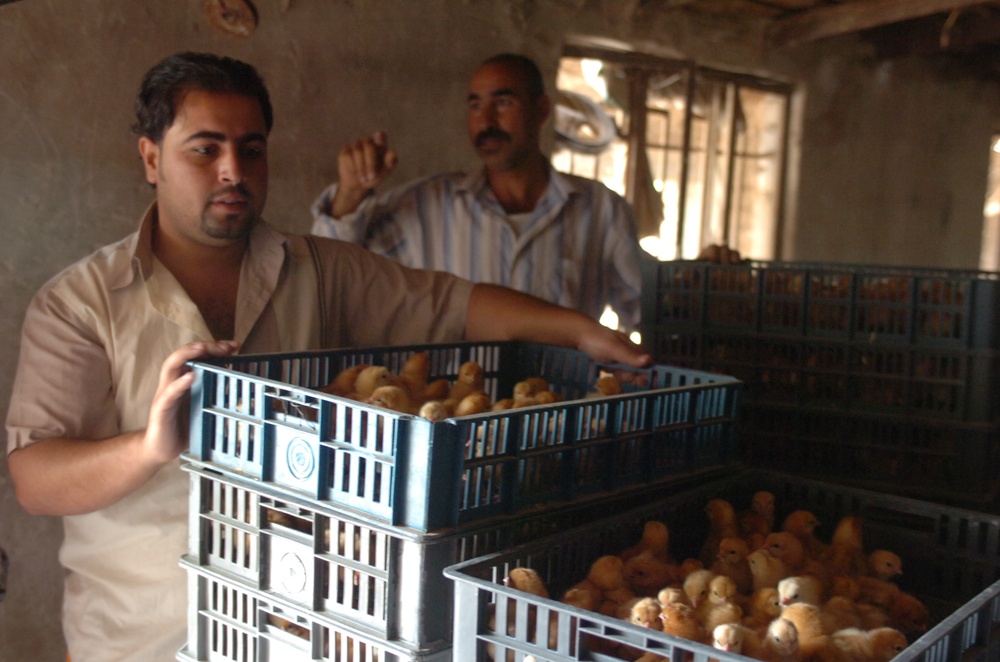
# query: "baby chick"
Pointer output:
{"type": "Point", "coordinates": [785, 546]}
{"type": "Point", "coordinates": [474, 403]}
{"type": "Point", "coordinates": [679, 620]}
{"type": "Point", "coordinates": [763, 607]}
{"type": "Point", "coordinates": [757, 522]}
{"type": "Point", "coordinates": [802, 524]}
{"type": "Point", "coordinates": [343, 384]}
{"type": "Point", "coordinates": [844, 555]}
{"type": "Point", "coordinates": [470, 380]}
{"type": "Point", "coordinates": [527, 580]}
{"type": "Point", "coordinates": [655, 539]}
{"type": "Point", "coordinates": [645, 574]}
{"type": "Point", "coordinates": [884, 565]}
{"type": "Point", "coordinates": [414, 374]}
{"type": "Point", "coordinates": [808, 620]}
{"type": "Point", "coordinates": [644, 612]}
{"type": "Point", "coordinates": [433, 410]}
{"type": "Point", "coordinates": [391, 397]}
{"type": "Point", "coordinates": [729, 637]}
{"type": "Point", "coordinates": [721, 524]}
{"type": "Point", "coordinates": [877, 645]}
{"type": "Point", "coordinates": [732, 562]}
{"type": "Point", "coordinates": [722, 604]}
{"type": "Point", "coordinates": [800, 588]}
{"type": "Point", "coordinates": [370, 378]}
{"type": "Point", "coordinates": [767, 570]}
{"type": "Point", "coordinates": [909, 615]}
{"type": "Point", "coordinates": [696, 586]}
{"type": "Point", "coordinates": [779, 644]}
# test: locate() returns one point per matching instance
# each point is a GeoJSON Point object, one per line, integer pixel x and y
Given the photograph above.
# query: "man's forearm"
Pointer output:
{"type": "Point", "coordinates": [75, 476]}
{"type": "Point", "coordinates": [500, 313]}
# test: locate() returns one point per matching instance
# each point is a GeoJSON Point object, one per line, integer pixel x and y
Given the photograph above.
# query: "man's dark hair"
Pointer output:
{"type": "Point", "coordinates": [524, 66]}
{"type": "Point", "coordinates": [156, 102]}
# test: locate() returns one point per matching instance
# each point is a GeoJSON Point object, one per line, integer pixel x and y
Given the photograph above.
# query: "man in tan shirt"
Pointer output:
{"type": "Point", "coordinates": [95, 426]}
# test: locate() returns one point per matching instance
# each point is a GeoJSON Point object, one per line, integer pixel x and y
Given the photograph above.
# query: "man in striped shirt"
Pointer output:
{"type": "Point", "coordinates": [516, 222]}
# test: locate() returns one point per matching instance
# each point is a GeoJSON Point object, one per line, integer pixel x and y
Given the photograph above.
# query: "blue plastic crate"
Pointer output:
{"type": "Point", "coordinates": [951, 561]}
{"type": "Point", "coordinates": [261, 417]}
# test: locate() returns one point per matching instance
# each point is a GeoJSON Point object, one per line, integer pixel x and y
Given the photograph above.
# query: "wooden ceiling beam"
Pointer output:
{"type": "Point", "coordinates": [831, 20]}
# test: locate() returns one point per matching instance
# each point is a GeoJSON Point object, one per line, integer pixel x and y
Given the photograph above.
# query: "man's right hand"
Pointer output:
{"type": "Point", "coordinates": [362, 165]}
{"type": "Point", "coordinates": [167, 430]}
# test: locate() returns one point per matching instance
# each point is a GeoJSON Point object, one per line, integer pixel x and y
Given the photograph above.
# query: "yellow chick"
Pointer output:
{"type": "Point", "coordinates": [722, 523]}
{"type": "Point", "coordinates": [433, 410]}
{"type": "Point", "coordinates": [732, 562]}
{"type": "Point", "coordinates": [474, 403]}
{"type": "Point", "coordinates": [391, 397]}
{"type": "Point", "coordinates": [779, 644]}
{"type": "Point", "coordinates": [679, 620]}
{"type": "Point", "coordinates": [343, 383]}
{"type": "Point", "coordinates": [800, 588]}
{"type": "Point", "coordinates": [696, 586]}
{"type": "Point", "coordinates": [369, 379]}
{"type": "Point", "coordinates": [802, 524]}
{"type": "Point", "coordinates": [767, 570]}
{"type": "Point", "coordinates": [655, 539]}
{"type": "Point", "coordinates": [644, 612]}
{"type": "Point", "coordinates": [877, 645]}
{"type": "Point", "coordinates": [808, 620]}
{"type": "Point", "coordinates": [763, 607]}
{"type": "Point", "coordinates": [757, 522]}
{"type": "Point", "coordinates": [722, 605]}
{"type": "Point", "coordinates": [884, 565]}
{"type": "Point", "coordinates": [645, 574]}
{"type": "Point", "coordinates": [470, 380]}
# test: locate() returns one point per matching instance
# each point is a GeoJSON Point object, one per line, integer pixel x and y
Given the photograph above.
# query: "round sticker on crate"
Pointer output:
{"type": "Point", "coordinates": [300, 458]}
{"type": "Point", "coordinates": [292, 573]}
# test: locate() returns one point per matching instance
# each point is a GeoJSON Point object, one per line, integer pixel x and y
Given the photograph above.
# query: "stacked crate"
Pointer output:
{"type": "Point", "coordinates": [320, 526]}
{"type": "Point", "coordinates": [875, 376]}
{"type": "Point", "coordinates": [951, 562]}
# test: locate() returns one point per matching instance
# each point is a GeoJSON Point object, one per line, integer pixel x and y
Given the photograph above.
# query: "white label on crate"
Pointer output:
{"type": "Point", "coordinates": [292, 573]}
{"type": "Point", "coordinates": [300, 458]}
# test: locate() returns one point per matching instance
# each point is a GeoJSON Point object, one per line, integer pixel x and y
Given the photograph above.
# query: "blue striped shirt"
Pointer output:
{"type": "Point", "coordinates": [577, 248]}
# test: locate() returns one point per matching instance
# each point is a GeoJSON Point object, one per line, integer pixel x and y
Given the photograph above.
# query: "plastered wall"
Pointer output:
{"type": "Point", "coordinates": [889, 161]}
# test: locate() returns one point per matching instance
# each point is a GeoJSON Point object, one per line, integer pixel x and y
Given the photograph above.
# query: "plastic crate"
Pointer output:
{"type": "Point", "coordinates": [903, 341]}
{"type": "Point", "coordinates": [951, 561]}
{"type": "Point", "coordinates": [870, 360]}
{"type": "Point", "coordinates": [261, 417]}
{"type": "Point", "coordinates": [942, 461]}
{"type": "Point", "coordinates": [230, 623]}
{"type": "Point", "coordinates": [388, 584]}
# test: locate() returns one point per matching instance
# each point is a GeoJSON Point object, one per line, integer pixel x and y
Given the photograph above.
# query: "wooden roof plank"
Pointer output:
{"type": "Point", "coordinates": [831, 20]}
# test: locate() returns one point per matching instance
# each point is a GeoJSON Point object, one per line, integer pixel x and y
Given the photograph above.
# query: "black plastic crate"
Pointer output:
{"type": "Point", "coordinates": [951, 561]}
{"type": "Point", "coordinates": [877, 376]}
{"type": "Point", "coordinates": [261, 417]}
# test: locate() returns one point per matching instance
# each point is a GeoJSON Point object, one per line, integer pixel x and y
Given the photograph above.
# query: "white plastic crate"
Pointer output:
{"type": "Point", "coordinates": [951, 561]}
{"type": "Point", "coordinates": [385, 581]}
{"type": "Point", "coordinates": [231, 623]}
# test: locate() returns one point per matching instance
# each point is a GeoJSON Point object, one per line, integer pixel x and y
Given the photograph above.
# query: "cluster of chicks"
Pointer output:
{"type": "Point", "coordinates": [777, 594]}
{"type": "Point", "coordinates": [411, 391]}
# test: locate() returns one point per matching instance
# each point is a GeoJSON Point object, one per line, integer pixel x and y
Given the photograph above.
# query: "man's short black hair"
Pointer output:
{"type": "Point", "coordinates": [156, 102]}
{"type": "Point", "coordinates": [525, 66]}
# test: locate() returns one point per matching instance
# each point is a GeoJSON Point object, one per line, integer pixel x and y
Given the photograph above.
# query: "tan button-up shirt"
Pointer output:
{"type": "Point", "coordinates": [93, 340]}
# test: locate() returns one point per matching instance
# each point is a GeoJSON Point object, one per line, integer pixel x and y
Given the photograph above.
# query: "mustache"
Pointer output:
{"type": "Point", "coordinates": [490, 134]}
{"type": "Point", "coordinates": [239, 189]}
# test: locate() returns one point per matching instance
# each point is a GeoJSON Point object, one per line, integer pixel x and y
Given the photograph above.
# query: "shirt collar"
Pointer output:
{"type": "Point", "coordinates": [264, 240]}
{"type": "Point", "coordinates": [561, 186]}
